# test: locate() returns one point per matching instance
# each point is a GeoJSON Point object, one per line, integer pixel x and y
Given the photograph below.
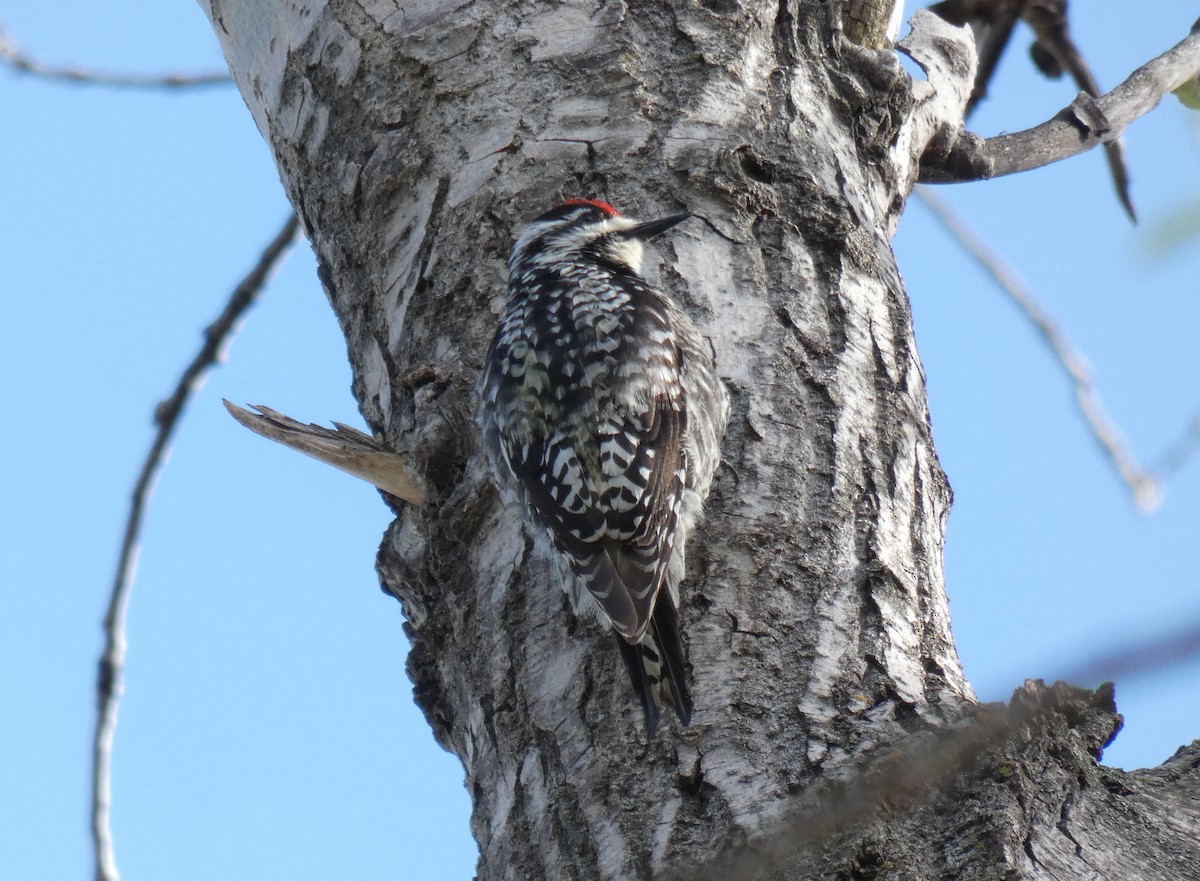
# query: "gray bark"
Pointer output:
{"type": "Point", "coordinates": [415, 140]}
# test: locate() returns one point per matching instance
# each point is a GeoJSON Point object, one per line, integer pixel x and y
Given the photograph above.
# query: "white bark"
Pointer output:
{"type": "Point", "coordinates": [415, 140]}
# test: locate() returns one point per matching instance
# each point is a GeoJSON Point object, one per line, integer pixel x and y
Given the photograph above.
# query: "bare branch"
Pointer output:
{"type": "Point", "coordinates": [12, 55]}
{"type": "Point", "coordinates": [1145, 489]}
{"type": "Point", "coordinates": [345, 448]}
{"type": "Point", "coordinates": [166, 417]}
{"type": "Point", "coordinates": [992, 22]}
{"type": "Point", "coordinates": [1084, 124]}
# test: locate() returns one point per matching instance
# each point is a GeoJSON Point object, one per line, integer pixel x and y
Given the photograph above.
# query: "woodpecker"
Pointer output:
{"type": "Point", "coordinates": [601, 408]}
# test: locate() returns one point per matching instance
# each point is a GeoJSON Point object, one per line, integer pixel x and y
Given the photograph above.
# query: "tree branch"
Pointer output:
{"type": "Point", "coordinates": [894, 784]}
{"type": "Point", "coordinates": [917, 772]}
{"type": "Point", "coordinates": [992, 22]}
{"type": "Point", "coordinates": [343, 447]}
{"type": "Point", "coordinates": [1145, 489]}
{"type": "Point", "coordinates": [1055, 52]}
{"type": "Point", "coordinates": [12, 55]}
{"type": "Point", "coordinates": [166, 416]}
{"type": "Point", "coordinates": [1083, 124]}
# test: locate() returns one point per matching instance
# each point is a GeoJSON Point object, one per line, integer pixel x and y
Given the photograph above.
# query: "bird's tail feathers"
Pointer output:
{"type": "Point", "coordinates": [656, 667]}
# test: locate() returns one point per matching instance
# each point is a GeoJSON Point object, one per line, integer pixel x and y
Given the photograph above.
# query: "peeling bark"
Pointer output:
{"type": "Point", "coordinates": [414, 141]}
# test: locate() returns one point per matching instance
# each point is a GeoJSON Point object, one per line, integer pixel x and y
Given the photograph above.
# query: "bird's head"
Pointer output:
{"type": "Point", "coordinates": [587, 230]}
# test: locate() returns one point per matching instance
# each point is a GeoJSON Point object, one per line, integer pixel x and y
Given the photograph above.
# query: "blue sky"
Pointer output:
{"type": "Point", "coordinates": [268, 729]}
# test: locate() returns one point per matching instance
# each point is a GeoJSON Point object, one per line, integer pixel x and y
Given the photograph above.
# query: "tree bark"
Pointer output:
{"type": "Point", "coordinates": [414, 141]}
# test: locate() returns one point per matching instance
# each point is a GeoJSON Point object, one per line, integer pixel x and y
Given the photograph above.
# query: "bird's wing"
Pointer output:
{"type": "Point", "coordinates": [641, 500]}
{"type": "Point", "coordinates": [614, 521]}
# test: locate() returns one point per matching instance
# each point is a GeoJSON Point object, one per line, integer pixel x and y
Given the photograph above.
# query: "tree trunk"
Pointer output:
{"type": "Point", "coordinates": [415, 140]}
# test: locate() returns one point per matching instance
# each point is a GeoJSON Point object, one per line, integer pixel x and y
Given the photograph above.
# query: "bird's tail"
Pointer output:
{"type": "Point", "coordinates": [656, 665]}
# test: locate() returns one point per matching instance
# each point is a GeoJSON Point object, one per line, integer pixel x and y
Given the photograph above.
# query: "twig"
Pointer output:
{"type": "Point", "coordinates": [1085, 123]}
{"type": "Point", "coordinates": [12, 55]}
{"type": "Point", "coordinates": [166, 417]}
{"type": "Point", "coordinates": [1180, 452]}
{"type": "Point", "coordinates": [1165, 650]}
{"type": "Point", "coordinates": [1145, 489]}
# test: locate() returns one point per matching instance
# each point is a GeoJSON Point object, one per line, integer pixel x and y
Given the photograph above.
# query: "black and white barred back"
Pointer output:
{"type": "Point", "coordinates": [601, 408]}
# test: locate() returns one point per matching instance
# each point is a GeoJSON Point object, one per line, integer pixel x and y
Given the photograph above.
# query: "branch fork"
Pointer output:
{"type": "Point", "coordinates": [1085, 123]}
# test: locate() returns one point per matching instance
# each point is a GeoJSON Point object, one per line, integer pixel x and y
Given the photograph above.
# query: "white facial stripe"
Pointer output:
{"type": "Point", "coordinates": [553, 241]}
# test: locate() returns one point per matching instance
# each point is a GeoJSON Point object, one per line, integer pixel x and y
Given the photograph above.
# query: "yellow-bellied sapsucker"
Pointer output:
{"type": "Point", "coordinates": [601, 408]}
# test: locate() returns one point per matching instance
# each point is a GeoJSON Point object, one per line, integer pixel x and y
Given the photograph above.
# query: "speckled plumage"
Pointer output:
{"type": "Point", "coordinates": [600, 406]}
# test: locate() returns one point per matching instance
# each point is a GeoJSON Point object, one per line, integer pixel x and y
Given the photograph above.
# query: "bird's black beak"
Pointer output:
{"type": "Point", "coordinates": [651, 228]}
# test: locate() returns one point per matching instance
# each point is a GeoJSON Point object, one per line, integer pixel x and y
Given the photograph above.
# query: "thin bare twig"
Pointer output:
{"type": "Point", "coordinates": [1145, 489]}
{"type": "Point", "coordinates": [1119, 663]}
{"type": "Point", "coordinates": [1180, 452]}
{"type": "Point", "coordinates": [12, 55]}
{"type": "Point", "coordinates": [166, 417]}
